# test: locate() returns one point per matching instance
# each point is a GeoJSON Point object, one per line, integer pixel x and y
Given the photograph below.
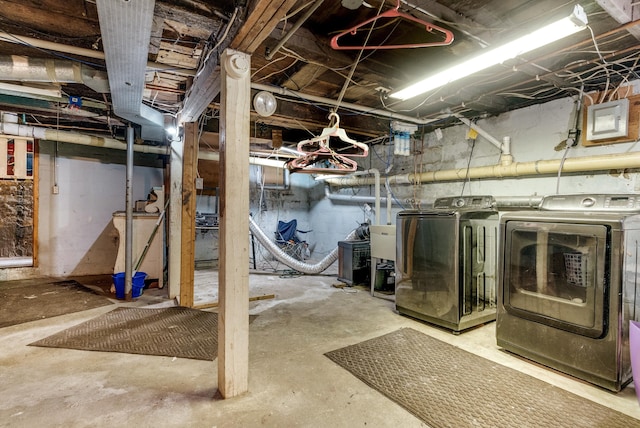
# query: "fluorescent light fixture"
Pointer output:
{"type": "Point", "coordinates": [11, 89]}
{"type": "Point", "coordinates": [538, 38]}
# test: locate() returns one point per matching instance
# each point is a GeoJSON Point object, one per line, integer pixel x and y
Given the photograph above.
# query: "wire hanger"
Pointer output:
{"type": "Point", "coordinates": [321, 142]}
{"type": "Point", "coordinates": [395, 13]}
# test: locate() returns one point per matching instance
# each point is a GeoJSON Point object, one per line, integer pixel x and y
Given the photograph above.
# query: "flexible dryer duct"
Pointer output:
{"type": "Point", "coordinates": [293, 263]}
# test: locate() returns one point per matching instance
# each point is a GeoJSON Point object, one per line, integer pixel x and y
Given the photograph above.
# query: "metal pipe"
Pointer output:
{"type": "Point", "coordinates": [128, 234]}
{"type": "Point", "coordinates": [293, 29]}
{"type": "Point", "coordinates": [516, 169]}
{"type": "Point", "coordinates": [9, 126]}
{"type": "Point", "coordinates": [350, 106]}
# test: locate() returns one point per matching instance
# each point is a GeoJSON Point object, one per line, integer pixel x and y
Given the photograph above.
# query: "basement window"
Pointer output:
{"type": "Point", "coordinates": [17, 202]}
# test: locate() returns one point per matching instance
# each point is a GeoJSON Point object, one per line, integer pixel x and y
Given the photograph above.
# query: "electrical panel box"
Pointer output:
{"type": "Point", "coordinates": [608, 120]}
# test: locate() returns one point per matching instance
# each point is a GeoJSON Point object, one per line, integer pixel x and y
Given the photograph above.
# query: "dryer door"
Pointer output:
{"type": "Point", "coordinates": [554, 274]}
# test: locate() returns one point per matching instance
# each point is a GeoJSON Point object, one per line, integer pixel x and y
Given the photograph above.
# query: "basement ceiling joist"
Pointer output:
{"type": "Point", "coordinates": [184, 32]}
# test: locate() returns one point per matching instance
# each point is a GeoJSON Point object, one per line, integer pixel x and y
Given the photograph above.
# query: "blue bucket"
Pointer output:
{"type": "Point", "coordinates": [137, 284]}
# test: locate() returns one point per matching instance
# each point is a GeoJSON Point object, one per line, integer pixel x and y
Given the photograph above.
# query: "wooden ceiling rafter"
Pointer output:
{"type": "Point", "coordinates": [262, 19]}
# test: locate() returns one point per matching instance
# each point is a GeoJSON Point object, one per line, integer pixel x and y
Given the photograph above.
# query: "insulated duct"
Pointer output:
{"type": "Point", "coordinates": [25, 69]}
{"type": "Point", "coordinates": [125, 27]}
{"type": "Point", "coordinates": [88, 53]}
{"type": "Point", "coordinates": [293, 263]}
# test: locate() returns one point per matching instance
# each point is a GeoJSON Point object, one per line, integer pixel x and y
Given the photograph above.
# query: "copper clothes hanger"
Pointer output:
{"type": "Point", "coordinates": [315, 144]}
{"type": "Point", "coordinates": [395, 13]}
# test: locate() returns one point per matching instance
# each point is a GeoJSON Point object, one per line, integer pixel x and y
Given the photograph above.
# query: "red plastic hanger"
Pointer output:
{"type": "Point", "coordinates": [395, 13]}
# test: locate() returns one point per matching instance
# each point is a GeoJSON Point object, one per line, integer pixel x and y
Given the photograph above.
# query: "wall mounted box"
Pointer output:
{"type": "Point", "coordinates": [608, 120]}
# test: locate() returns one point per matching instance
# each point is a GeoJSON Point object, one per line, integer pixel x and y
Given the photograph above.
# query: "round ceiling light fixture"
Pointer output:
{"type": "Point", "coordinates": [265, 103]}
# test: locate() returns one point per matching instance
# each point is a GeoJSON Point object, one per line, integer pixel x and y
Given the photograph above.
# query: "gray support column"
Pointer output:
{"type": "Point", "coordinates": [128, 246]}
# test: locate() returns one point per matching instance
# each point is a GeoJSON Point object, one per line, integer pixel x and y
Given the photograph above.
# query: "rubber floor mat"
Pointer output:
{"type": "Point", "coordinates": [445, 386]}
{"type": "Point", "coordinates": [172, 332]}
{"type": "Point", "coordinates": [30, 300]}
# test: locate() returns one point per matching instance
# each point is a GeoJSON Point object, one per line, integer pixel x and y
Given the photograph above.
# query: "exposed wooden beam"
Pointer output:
{"type": "Point", "coordinates": [233, 272]}
{"type": "Point", "coordinates": [251, 299]}
{"type": "Point", "coordinates": [63, 18]}
{"type": "Point", "coordinates": [305, 76]}
{"type": "Point", "coordinates": [156, 36]}
{"type": "Point", "coordinates": [245, 35]}
{"type": "Point", "coordinates": [262, 19]}
{"type": "Point", "coordinates": [188, 23]}
{"type": "Point", "coordinates": [174, 232]}
{"type": "Point", "coordinates": [292, 115]}
{"type": "Point", "coordinates": [189, 171]}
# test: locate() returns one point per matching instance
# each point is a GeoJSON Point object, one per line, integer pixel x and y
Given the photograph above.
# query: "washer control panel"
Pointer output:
{"type": "Point", "coordinates": [459, 203]}
{"type": "Point", "coordinates": [598, 202]}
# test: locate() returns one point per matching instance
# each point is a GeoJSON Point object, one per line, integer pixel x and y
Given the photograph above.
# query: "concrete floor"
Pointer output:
{"type": "Point", "coordinates": [291, 383]}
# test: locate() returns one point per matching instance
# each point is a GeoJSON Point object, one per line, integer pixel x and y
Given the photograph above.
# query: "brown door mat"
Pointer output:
{"type": "Point", "coordinates": [29, 300]}
{"type": "Point", "coordinates": [172, 332]}
{"type": "Point", "coordinates": [445, 386]}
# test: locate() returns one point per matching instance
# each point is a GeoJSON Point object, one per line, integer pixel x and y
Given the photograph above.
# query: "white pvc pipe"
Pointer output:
{"type": "Point", "coordinates": [215, 156]}
{"type": "Point", "coordinates": [9, 126]}
{"type": "Point", "coordinates": [376, 175]}
{"type": "Point", "coordinates": [516, 169]}
{"type": "Point", "coordinates": [389, 201]}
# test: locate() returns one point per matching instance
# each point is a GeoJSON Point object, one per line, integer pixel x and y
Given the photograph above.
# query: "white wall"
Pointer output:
{"type": "Point", "coordinates": [75, 232]}
{"type": "Point", "coordinates": [268, 206]}
{"type": "Point", "coordinates": [537, 133]}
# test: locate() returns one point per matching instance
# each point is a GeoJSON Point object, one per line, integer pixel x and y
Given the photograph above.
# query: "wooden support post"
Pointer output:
{"type": "Point", "coordinates": [233, 273]}
{"type": "Point", "coordinates": [189, 170]}
{"type": "Point", "coordinates": [174, 231]}
{"type": "Point", "coordinates": [36, 198]}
